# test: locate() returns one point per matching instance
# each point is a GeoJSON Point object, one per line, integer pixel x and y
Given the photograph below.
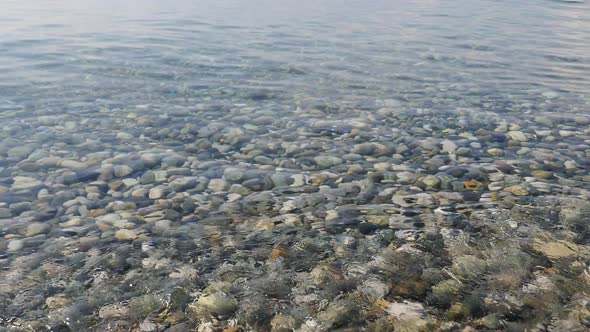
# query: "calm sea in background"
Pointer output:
{"type": "Point", "coordinates": [435, 52]}
{"type": "Point", "coordinates": [310, 166]}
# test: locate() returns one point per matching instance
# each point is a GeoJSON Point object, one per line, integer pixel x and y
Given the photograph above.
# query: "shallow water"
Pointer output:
{"type": "Point", "coordinates": [294, 165]}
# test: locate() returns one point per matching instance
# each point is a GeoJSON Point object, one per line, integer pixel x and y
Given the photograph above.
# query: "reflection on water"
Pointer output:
{"type": "Point", "coordinates": [294, 165]}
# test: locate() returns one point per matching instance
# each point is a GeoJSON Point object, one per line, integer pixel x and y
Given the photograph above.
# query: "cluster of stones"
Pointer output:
{"type": "Point", "coordinates": [239, 218]}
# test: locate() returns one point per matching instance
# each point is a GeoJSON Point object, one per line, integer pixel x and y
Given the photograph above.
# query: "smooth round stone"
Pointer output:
{"type": "Point", "coordinates": [544, 121]}
{"type": "Point", "coordinates": [354, 168]}
{"type": "Point", "coordinates": [116, 185]}
{"type": "Point", "coordinates": [539, 174]}
{"type": "Point", "coordinates": [523, 151]}
{"type": "Point", "coordinates": [518, 136]}
{"type": "Point", "coordinates": [15, 245]}
{"type": "Point", "coordinates": [124, 136]}
{"type": "Point", "coordinates": [36, 228]}
{"type": "Point", "coordinates": [66, 163]}
{"type": "Point", "coordinates": [463, 151]}
{"type": "Point", "coordinates": [139, 193]}
{"type": "Point", "coordinates": [233, 174]}
{"type": "Point", "coordinates": [172, 161]}
{"type": "Point", "coordinates": [570, 164]}
{"type": "Point", "coordinates": [517, 190]}
{"type": "Point", "coordinates": [264, 160]}
{"type": "Point", "coordinates": [258, 184]}
{"type": "Point", "coordinates": [26, 183]}
{"type": "Point", "coordinates": [162, 225]}
{"type": "Point", "coordinates": [298, 180]}
{"type": "Point", "coordinates": [457, 172]}
{"type": "Point", "coordinates": [18, 208]}
{"type": "Point", "coordinates": [217, 303]}
{"type": "Point", "coordinates": [281, 180]}
{"type": "Point", "coordinates": [125, 235]}
{"type": "Point", "coordinates": [29, 167]}
{"type": "Point", "coordinates": [327, 161]}
{"type": "Point", "coordinates": [233, 197]}
{"type": "Point", "coordinates": [513, 127]}
{"type": "Point", "coordinates": [352, 156]}
{"type": "Point", "coordinates": [183, 183]}
{"type": "Point", "coordinates": [69, 177]}
{"type": "Point", "coordinates": [430, 181]}
{"type": "Point", "coordinates": [363, 149]}
{"type": "Point", "coordinates": [542, 133]}
{"type": "Point", "coordinates": [382, 167]}
{"type": "Point", "coordinates": [130, 182]}
{"type": "Point", "coordinates": [157, 193]}
{"type": "Point", "coordinates": [400, 149]}
{"type": "Point", "coordinates": [122, 170]}
{"type": "Point", "coordinates": [37, 155]}
{"type": "Point", "coordinates": [239, 189]}
{"type": "Point", "coordinates": [148, 177]}
{"type": "Point", "coordinates": [5, 213]}
{"type": "Point", "coordinates": [495, 152]}
{"type": "Point", "coordinates": [406, 177]}
{"type": "Point", "coordinates": [93, 196]}
{"type": "Point", "coordinates": [121, 206]}
{"type": "Point", "coordinates": [218, 185]}
{"type": "Point", "coordinates": [160, 175]}
{"type": "Point", "coordinates": [19, 152]}
{"type": "Point", "coordinates": [566, 133]}
{"type": "Point", "coordinates": [495, 186]}
{"type": "Point", "coordinates": [449, 146]}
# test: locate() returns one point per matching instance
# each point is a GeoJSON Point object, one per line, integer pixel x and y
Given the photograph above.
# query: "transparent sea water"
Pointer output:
{"type": "Point", "coordinates": [294, 165]}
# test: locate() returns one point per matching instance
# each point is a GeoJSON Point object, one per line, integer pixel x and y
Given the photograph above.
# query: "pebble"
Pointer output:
{"type": "Point", "coordinates": [431, 181]}
{"type": "Point", "coordinates": [406, 177]}
{"type": "Point", "coordinates": [124, 136]}
{"type": "Point", "coordinates": [542, 174]}
{"type": "Point", "coordinates": [125, 235]}
{"type": "Point", "coordinates": [196, 212]}
{"type": "Point", "coordinates": [111, 311]}
{"type": "Point", "coordinates": [5, 213]}
{"type": "Point", "coordinates": [518, 136]}
{"type": "Point", "coordinates": [495, 152]}
{"type": "Point", "coordinates": [327, 161]}
{"type": "Point", "coordinates": [70, 164]}
{"type": "Point", "coordinates": [218, 185]}
{"type": "Point", "coordinates": [566, 133]}
{"type": "Point", "coordinates": [517, 190]}
{"type": "Point", "coordinates": [122, 170]}
{"type": "Point", "coordinates": [157, 193]}
{"type": "Point", "coordinates": [218, 303]}
{"type": "Point", "coordinates": [36, 228]}
{"type": "Point", "coordinates": [449, 146]}
{"type": "Point", "coordinates": [15, 245]}
{"type": "Point", "coordinates": [570, 164]}
{"type": "Point", "coordinates": [25, 183]}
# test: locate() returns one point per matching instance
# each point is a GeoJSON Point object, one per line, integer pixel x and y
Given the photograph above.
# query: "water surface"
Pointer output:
{"type": "Point", "coordinates": [294, 165]}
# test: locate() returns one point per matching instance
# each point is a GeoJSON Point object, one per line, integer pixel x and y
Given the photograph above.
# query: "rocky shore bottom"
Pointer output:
{"type": "Point", "coordinates": [189, 220]}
